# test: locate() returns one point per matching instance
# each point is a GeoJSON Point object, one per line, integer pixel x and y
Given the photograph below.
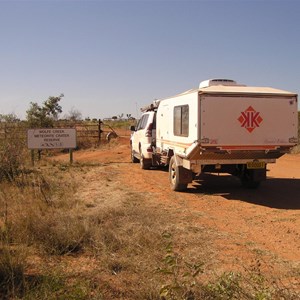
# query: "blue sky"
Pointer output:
{"type": "Point", "coordinates": [112, 57]}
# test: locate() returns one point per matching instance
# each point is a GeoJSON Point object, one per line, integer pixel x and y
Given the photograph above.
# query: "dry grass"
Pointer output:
{"type": "Point", "coordinates": [123, 241]}
{"type": "Point", "coordinates": [296, 149]}
{"type": "Point", "coordinates": [58, 241]}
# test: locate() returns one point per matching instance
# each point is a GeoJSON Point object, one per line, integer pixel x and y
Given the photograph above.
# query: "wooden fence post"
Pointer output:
{"type": "Point", "coordinates": [99, 131]}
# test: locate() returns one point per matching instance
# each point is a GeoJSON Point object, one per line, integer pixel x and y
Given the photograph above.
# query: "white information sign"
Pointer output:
{"type": "Point", "coordinates": [51, 138]}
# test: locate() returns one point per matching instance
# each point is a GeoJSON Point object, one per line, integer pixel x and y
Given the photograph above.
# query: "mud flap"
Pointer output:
{"type": "Point", "coordinates": [185, 175]}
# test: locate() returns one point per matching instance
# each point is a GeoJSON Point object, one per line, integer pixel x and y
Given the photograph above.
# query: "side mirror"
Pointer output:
{"type": "Point", "coordinates": [132, 128]}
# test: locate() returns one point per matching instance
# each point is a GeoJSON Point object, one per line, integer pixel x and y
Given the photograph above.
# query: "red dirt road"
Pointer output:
{"type": "Point", "coordinates": [249, 224]}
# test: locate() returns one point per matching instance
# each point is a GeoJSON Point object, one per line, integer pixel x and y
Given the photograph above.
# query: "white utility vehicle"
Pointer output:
{"type": "Point", "coordinates": [221, 127]}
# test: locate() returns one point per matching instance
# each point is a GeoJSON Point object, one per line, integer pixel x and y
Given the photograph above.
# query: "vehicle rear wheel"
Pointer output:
{"type": "Point", "coordinates": [133, 158]}
{"type": "Point", "coordinates": [145, 163]}
{"type": "Point", "coordinates": [174, 176]}
{"type": "Point", "coordinates": [248, 180]}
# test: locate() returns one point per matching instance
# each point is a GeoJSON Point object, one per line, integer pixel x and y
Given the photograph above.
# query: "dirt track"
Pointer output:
{"type": "Point", "coordinates": [248, 223]}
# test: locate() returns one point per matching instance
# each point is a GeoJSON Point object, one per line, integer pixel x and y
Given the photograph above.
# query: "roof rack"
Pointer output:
{"type": "Point", "coordinates": [152, 107]}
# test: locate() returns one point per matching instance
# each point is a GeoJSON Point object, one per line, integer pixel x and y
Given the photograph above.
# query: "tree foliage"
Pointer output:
{"type": "Point", "coordinates": [9, 118]}
{"type": "Point", "coordinates": [45, 115]}
{"type": "Point", "coordinates": [74, 115]}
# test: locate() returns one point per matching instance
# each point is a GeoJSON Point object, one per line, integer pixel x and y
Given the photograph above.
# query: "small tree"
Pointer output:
{"type": "Point", "coordinates": [9, 118]}
{"type": "Point", "coordinates": [74, 115]}
{"type": "Point", "coordinates": [44, 116]}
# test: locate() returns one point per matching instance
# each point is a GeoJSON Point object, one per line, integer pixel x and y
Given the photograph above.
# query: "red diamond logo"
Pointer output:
{"type": "Point", "coordinates": [250, 119]}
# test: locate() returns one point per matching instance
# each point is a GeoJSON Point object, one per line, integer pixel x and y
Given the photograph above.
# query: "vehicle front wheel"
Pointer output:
{"type": "Point", "coordinates": [174, 177]}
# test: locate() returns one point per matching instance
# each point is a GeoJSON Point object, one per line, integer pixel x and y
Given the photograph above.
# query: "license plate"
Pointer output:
{"type": "Point", "coordinates": [256, 165]}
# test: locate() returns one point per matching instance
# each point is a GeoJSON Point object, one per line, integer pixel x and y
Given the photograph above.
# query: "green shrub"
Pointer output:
{"type": "Point", "coordinates": [179, 275]}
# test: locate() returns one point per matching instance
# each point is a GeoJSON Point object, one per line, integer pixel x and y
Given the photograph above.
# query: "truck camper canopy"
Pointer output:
{"type": "Point", "coordinates": [229, 87]}
{"type": "Point", "coordinates": [222, 89]}
{"type": "Point", "coordinates": [220, 127]}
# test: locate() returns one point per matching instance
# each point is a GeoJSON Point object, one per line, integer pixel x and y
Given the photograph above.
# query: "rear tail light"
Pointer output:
{"type": "Point", "coordinates": [149, 130]}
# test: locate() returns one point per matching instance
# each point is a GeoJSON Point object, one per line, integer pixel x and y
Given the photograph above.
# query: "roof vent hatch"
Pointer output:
{"type": "Point", "coordinates": [213, 82]}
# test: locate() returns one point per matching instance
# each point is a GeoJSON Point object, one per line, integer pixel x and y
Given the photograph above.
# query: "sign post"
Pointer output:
{"type": "Point", "coordinates": [71, 155]}
{"type": "Point", "coordinates": [32, 157]}
{"type": "Point", "coordinates": [51, 138]}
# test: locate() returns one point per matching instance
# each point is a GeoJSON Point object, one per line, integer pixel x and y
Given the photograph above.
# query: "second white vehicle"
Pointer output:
{"type": "Point", "coordinates": [143, 139]}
